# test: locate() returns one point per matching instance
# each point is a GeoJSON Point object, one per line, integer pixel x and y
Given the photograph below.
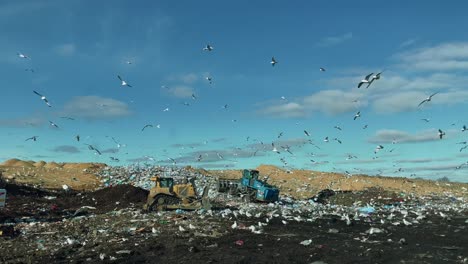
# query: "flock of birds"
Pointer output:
{"type": "Point", "coordinates": [368, 80]}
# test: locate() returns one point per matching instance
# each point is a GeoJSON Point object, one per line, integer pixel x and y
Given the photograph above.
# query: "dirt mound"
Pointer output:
{"type": "Point", "coordinates": [39, 164]}
{"type": "Point", "coordinates": [119, 196]}
{"type": "Point", "coordinates": [82, 166]}
{"type": "Point", "coordinates": [52, 165]}
{"type": "Point", "coordinates": [17, 163]}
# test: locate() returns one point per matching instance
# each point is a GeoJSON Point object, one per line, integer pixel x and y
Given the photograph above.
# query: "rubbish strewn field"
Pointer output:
{"type": "Point", "coordinates": [381, 224]}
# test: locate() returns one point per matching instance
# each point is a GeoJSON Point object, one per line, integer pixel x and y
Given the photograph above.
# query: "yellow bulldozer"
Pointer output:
{"type": "Point", "coordinates": [165, 195]}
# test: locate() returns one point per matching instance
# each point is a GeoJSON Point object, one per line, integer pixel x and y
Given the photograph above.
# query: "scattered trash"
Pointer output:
{"type": "Point", "coordinates": [239, 242]}
{"type": "Point", "coordinates": [306, 242]}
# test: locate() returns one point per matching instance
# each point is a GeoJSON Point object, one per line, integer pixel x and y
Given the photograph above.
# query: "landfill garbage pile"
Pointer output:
{"type": "Point", "coordinates": [109, 226]}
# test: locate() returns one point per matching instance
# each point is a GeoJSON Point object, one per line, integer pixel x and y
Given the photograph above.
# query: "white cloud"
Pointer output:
{"type": "Point", "coordinates": [330, 41]}
{"type": "Point", "coordinates": [333, 102]}
{"type": "Point", "coordinates": [67, 49]}
{"type": "Point", "coordinates": [96, 107]}
{"type": "Point", "coordinates": [407, 43]}
{"type": "Point", "coordinates": [389, 135]}
{"type": "Point", "coordinates": [22, 122]}
{"type": "Point", "coordinates": [284, 110]}
{"type": "Point", "coordinates": [443, 57]}
{"type": "Point", "coordinates": [187, 78]}
{"type": "Point", "coordinates": [181, 91]}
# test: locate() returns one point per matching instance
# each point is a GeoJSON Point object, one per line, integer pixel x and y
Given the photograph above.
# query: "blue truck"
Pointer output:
{"type": "Point", "coordinates": [250, 187]}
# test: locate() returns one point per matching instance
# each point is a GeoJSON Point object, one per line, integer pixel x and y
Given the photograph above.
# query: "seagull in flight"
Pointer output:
{"type": "Point", "coordinates": [53, 124]}
{"type": "Point", "coordinates": [322, 69]}
{"type": "Point", "coordinates": [441, 133]}
{"type": "Point", "coordinates": [146, 127]}
{"type": "Point", "coordinates": [33, 138]}
{"type": "Point", "coordinates": [280, 134]}
{"type": "Point", "coordinates": [77, 138]}
{"type": "Point", "coordinates": [366, 80]}
{"type": "Point", "coordinates": [95, 149]}
{"type": "Point", "coordinates": [43, 98]}
{"type": "Point", "coordinates": [358, 114]}
{"type": "Point", "coordinates": [374, 77]}
{"type": "Point", "coordinates": [464, 147]}
{"type": "Point", "coordinates": [365, 126]}
{"type": "Point", "coordinates": [166, 109]}
{"type": "Point", "coordinates": [273, 61]}
{"type": "Point", "coordinates": [326, 140]}
{"type": "Point", "coordinates": [337, 140]}
{"type": "Point", "coordinates": [67, 117]}
{"type": "Point", "coordinates": [463, 128]}
{"type": "Point", "coordinates": [21, 55]}
{"type": "Point", "coordinates": [209, 79]}
{"type": "Point", "coordinates": [123, 82]}
{"type": "Point", "coordinates": [425, 119]}
{"type": "Point", "coordinates": [208, 47]}
{"type": "Point", "coordinates": [337, 127]}
{"type": "Point", "coordinates": [378, 148]}
{"type": "Point", "coordinates": [194, 97]}
{"type": "Point", "coordinates": [427, 99]}
{"type": "Point", "coordinates": [306, 133]}
{"type": "Point", "coordinates": [283, 98]}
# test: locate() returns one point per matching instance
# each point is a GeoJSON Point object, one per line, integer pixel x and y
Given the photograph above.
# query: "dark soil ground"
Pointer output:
{"type": "Point", "coordinates": [435, 240]}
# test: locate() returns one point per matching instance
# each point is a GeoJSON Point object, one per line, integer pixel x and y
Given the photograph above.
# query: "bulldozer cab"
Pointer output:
{"type": "Point", "coordinates": [163, 183]}
{"type": "Point", "coordinates": [251, 176]}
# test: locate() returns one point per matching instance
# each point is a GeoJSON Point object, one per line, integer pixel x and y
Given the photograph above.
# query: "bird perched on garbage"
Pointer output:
{"type": "Point", "coordinates": [43, 98]}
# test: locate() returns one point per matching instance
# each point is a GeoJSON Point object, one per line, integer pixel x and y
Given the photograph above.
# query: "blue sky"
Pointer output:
{"type": "Point", "coordinates": [77, 49]}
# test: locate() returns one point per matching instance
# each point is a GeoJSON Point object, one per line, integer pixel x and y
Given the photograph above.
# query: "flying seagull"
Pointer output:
{"type": "Point", "coordinates": [123, 82]}
{"type": "Point", "coordinates": [146, 127]}
{"type": "Point", "coordinates": [425, 119]}
{"type": "Point", "coordinates": [463, 128]}
{"type": "Point", "coordinates": [77, 137]}
{"type": "Point", "coordinates": [365, 126]}
{"type": "Point", "coordinates": [365, 80]}
{"type": "Point", "coordinates": [209, 79]}
{"type": "Point", "coordinates": [427, 99]}
{"type": "Point", "coordinates": [95, 149]}
{"type": "Point", "coordinates": [322, 69]}
{"type": "Point", "coordinates": [273, 61]}
{"type": "Point", "coordinates": [43, 98]}
{"type": "Point", "coordinates": [21, 55]}
{"type": "Point", "coordinates": [337, 127]}
{"type": "Point", "coordinates": [194, 97]}
{"type": "Point", "coordinates": [67, 117]}
{"type": "Point", "coordinates": [337, 140]}
{"type": "Point", "coordinates": [358, 114]}
{"type": "Point", "coordinates": [374, 77]}
{"type": "Point", "coordinates": [33, 138]}
{"type": "Point", "coordinates": [378, 148]}
{"type": "Point", "coordinates": [464, 147]}
{"type": "Point", "coordinates": [441, 133]}
{"type": "Point", "coordinates": [208, 47]}
{"type": "Point", "coordinates": [306, 133]}
{"type": "Point", "coordinates": [326, 140]}
{"type": "Point", "coordinates": [53, 124]}
{"type": "Point", "coordinates": [280, 134]}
